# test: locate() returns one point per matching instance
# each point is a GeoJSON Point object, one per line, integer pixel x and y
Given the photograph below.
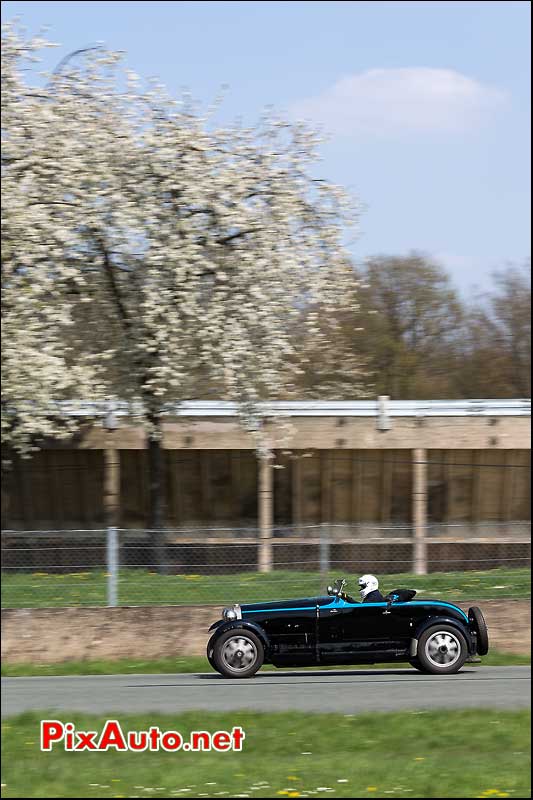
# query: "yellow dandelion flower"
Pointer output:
{"type": "Point", "coordinates": [371, 788]}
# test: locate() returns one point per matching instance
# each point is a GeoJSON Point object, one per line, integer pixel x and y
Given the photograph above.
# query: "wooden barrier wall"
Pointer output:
{"type": "Point", "coordinates": [64, 488]}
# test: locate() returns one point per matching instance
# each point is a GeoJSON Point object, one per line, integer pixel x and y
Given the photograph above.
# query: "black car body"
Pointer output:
{"type": "Point", "coordinates": [432, 635]}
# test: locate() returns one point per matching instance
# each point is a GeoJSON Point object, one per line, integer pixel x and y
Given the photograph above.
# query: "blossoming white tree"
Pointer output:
{"type": "Point", "coordinates": [175, 247]}
{"type": "Point", "coordinates": [37, 222]}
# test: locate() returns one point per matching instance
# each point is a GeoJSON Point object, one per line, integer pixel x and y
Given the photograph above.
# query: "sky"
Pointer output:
{"type": "Point", "coordinates": [426, 104]}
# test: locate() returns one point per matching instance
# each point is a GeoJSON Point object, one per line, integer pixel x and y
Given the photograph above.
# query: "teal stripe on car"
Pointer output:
{"type": "Point", "coordinates": [277, 610]}
{"type": "Point", "coordinates": [344, 604]}
{"type": "Point", "coordinates": [438, 603]}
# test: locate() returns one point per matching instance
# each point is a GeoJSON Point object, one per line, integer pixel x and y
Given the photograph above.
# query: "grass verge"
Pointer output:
{"type": "Point", "coordinates": [197, 664]}
{"type": "Point", "coordinates": [140, 587]}
{"type": "Point", "coordinates": [474, 753]}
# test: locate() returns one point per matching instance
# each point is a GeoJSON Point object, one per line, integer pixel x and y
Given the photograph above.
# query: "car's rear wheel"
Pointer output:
{"type": "Point", "coordinates": [442, 650]}
{"type": "Point", "coordinates": [477, 622]}
{"type": "Point", "coordinates": [238, 653]}
{"type": "Point", "coordinates": [414, 662]}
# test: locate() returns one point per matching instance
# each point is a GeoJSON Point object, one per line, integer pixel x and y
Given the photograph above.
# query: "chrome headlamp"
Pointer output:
{"type": "Point", "coordinates": [229, 614]}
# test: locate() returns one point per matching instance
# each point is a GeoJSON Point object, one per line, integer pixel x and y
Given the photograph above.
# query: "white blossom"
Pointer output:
{"type": "Point", "coordinates": [145, 247]}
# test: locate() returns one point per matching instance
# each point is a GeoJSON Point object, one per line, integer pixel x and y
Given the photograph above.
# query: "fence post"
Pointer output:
{"type": "Point", "coordinates": [112, 566]}
{"type": "Point", "coordinates": [324, 553]}
{"type": "Point", "coordinates": [266, 514]}
{"type": "Point", "coordinates": [420, 566]}
{"type": "Point", "coordinates": [111, 508]}
{"type": "Point", "coordinates": [383, 420]}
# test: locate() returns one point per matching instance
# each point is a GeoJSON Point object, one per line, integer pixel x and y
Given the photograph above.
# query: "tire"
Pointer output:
{"type": "Point", "coordinates": [442, 650]}
{"type": "Point", "coordinates": [209, 654]}
{"type": "Point", "coordinates": [238, 653]}
{"type": "Point", "coordinates": [414, 662]}
{"type": "Point", "coordinates": [477, 622]}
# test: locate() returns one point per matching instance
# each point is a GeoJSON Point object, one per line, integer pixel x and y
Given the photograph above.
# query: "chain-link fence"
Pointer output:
{"type": "Point", "coordinates": [224, 565]}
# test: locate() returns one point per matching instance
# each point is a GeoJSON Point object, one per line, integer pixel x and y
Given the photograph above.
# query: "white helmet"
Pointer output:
{"type": "Point", "coordinates": [367, 584]}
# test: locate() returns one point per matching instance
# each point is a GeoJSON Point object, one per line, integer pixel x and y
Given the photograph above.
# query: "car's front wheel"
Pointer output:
{"type": "Point", "coordinates": [209, 653]}
{"type": "Point", "coordinates": [442, 650]}
{"type": "Point", "coordinates": [238, 653]}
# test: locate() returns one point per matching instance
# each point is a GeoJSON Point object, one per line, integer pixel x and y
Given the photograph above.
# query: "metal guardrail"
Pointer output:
{"type": "Point", "coordinates": [314, 408]}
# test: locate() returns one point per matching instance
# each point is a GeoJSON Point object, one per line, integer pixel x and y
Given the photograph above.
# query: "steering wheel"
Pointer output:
{"type": "Point", "coordinates": [341, 586]}
{"type": "Point", "coordinates": [338, 589]}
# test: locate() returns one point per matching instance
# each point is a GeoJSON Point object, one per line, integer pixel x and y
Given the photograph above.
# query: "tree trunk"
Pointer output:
{"type": "Point", "coordinates": [156, 497]}
{"type": "Point", "coordinates": [7, 491]}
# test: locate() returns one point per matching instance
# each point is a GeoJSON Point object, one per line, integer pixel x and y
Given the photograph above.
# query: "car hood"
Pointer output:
{"type": "Point", "coordinates": [285, 605]}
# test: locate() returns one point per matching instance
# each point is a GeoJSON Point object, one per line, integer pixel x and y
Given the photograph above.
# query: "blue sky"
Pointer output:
{"type": "Point", "coordinates": [427, 103]}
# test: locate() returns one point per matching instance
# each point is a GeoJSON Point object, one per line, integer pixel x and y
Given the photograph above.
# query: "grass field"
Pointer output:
{"type": "Point", "coordinates": [139, 587]}
{"type": "Point", "coordinates": [197, 664]}
{"type": "Point", "coordinates": [414, 754]}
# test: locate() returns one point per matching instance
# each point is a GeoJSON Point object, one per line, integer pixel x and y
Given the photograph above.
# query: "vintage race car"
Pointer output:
{"type": "Point", "coordinates": [432, 635]}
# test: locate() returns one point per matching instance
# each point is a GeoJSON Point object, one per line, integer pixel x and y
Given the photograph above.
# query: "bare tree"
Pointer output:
{"type": "Point", "coordinates": [497, 338]}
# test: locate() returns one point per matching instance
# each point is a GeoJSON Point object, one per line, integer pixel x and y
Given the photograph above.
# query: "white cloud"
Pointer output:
{"type": "Point", "coordinates": [406, 100]}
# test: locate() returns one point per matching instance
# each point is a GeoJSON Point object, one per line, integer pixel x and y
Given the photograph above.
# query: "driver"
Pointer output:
{"type": "Point", "coordinates": [368, 589]}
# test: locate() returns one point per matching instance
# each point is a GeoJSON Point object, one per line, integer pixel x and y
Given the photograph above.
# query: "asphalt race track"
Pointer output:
{"type": "Point", "coordinates": [345, 691]}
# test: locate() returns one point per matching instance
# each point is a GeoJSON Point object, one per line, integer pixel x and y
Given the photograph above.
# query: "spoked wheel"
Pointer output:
{"type": "Point", "coordinates": [238, 654]}
{"type": "Point", "coordinates": [442, 650]}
